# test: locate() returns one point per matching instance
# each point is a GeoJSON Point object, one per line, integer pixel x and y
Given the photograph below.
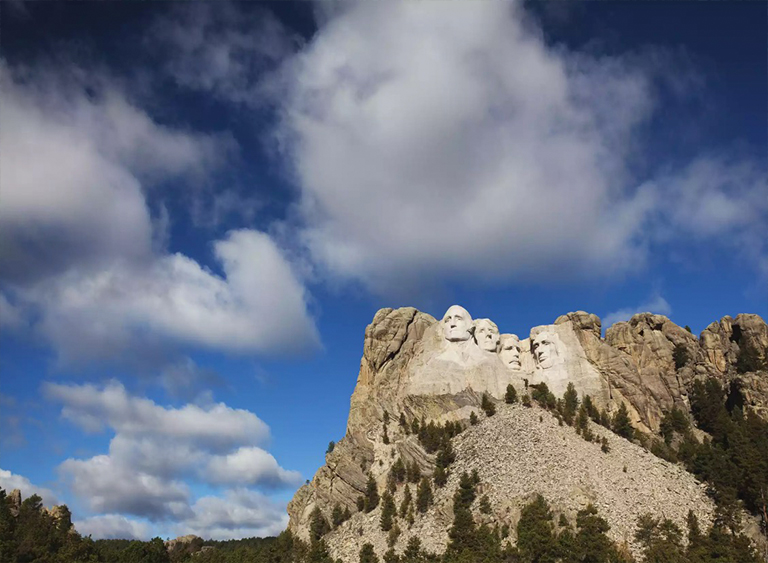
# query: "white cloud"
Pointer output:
{"type": "Point", "coordinates": [241, 513]}
{"type": "Point", "coordinates": [656, 304]}
{"type": "Point", "coordinates": [79, 247]}
{"type": "Point", "coordinates": [113, 526]}
{"type": "Point", "coordinates": [217, 426]}
{"type": "Point", "coordinates": [250, 466]}
{"type": "Point", "coordinates": [158, 451]}
{"type": "Point", "coordinates": [111, 486]}
{"type": "Point", "coordinates": [10, 481]}
{"type": "Point", "coordinates": [436, 142]}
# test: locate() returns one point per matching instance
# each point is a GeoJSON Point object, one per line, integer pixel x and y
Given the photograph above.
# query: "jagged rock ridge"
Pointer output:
{"type": "Point", "coordinates": [410, 367]}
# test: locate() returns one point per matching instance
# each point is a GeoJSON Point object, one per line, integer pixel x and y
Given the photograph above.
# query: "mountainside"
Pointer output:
{"type": "Point", "coordinates": [416, 370]}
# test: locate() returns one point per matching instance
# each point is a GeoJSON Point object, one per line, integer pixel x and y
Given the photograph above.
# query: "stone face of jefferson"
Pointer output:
{"type": "Point", "coordinates": [545, 349]}
{"type": "Point", "coordinates": [509, 351]}
{"type": "Point", "coordinates": [457, 324]}
{"type": "Point", "coordinates": [487, 335]}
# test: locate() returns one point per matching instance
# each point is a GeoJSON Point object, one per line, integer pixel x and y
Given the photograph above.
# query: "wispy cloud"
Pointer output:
{"type": "Point", "coordinates": [655, 304]}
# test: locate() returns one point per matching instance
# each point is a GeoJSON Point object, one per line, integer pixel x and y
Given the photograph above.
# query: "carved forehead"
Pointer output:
{"type": "Point", "coordinates": [509, 339]}
{"type": "Point", "coordinates": [486, 322]}
{"type": "Point", "coordinates": [457, 310]}
{"type": "Point", "coordinates": [544, 335]}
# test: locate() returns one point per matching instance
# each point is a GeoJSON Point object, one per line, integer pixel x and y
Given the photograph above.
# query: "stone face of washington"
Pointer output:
{"type": "Point", "coordinates": [457, 324]}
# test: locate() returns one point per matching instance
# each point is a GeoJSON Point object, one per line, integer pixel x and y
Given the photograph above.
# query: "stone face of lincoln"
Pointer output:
{"type": "Point", "coordinates": [545, 349]}
{"type": "Point", "coordinates": [487, 335]}
{"type": "Point", "coordinates": [457, 324]}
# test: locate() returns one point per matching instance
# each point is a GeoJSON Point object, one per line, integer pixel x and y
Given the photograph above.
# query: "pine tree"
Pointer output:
{"type": "Point", "coordinates": [398, 471]}
{"type": "Point", "coordinates": [413, 472]}
{"type": "Point", "coordinates": [337, 516]}
{"type": "Point", "coordinates": [440, 477]}
{"type": "Point", "coordinates": [487, 405]}
{"type": "Point", "coordinates": [423, 495]}
{"type": "Point", "coordinates": [526, 401]}
{"type": "Point", "coordinates": [412, 549]}
{"type": "Point", "coordinates": [406, 502]}
{"type": "Point", "coordinates": [371, 495]}
{"type": "Point", "coordinates": [367, 554]}
{"type": "Point", "coordinates": [388, 512]}
{"type": "Point", "coordinates": [485, 504]}
{"type": "Point", "coordinates": [570, 404]}
{"type": "Point", "coordinates": [511, 395]}
{"type": "Point", "coordinates": [536, 541]}
{"type": "Point", "coordinates": [473, 418]}
{"type": "Point", "coordinates": [393, 534]}
{"type": "Point", "coordinates": [621, 424]}
{"type": "Point", "coordinates": [318, 525]}
{"type": "Point", "coordinates": [331, 446]}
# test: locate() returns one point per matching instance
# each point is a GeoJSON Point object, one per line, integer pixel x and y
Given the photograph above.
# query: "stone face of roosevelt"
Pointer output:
{"type": "Point", "coordinates": [487, 335]}
{"type": "Point", "coordinates": [509, 351]}
{"type": "Point", "coordinates": [457, 324]}
{"type": "Point", "coordinates": [544, 349]}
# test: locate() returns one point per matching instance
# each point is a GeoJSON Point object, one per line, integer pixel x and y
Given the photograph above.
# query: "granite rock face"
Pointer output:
{"type": "Point", "coordinates": [420, 368]}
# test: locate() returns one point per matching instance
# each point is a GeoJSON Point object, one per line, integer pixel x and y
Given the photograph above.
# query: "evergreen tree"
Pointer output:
{"type": "Point", "coordinates": [526, 401]}
{"type": "Point", "coordinates": [371, 500]}
{"type": "Point", "coordinates": [331, 446]}
{"type": "Point", "coordinates": [367, 554]}
{"type": "Point", "coordinates": [337, 516]}
{"type": "Point", "coordinates": [487, 405]}
{"type": "Point", "coordinates": [397, 471]}
{"type": "Point", "coordinates": [510, 396]}
{"type": "Point", "coordinates": [621, 424]}
{"type": "Point", "coordinates": [485, 504]}
{"type": "Point", "coordinates": [318, 525]}
{"type": "Point", "coordinates": [406, 502]}
{"type": "Point", "coordinates": [412, 549]}
{"type": "Point", "coordinates": [404, 423]}
{"type": "Point", "coordinates": [440, 477]}
{"type": "Point", "coordinates": [473, 418]}
{"type": "Point", "coordinates": [536, 541]}
{"type": "Point", "coordinates": [570, 404]}
{"type": "Point", "coordinates": [423, 495]}
{"type": "Point", "coordinates": [680, 356]}
{"type": "Point", "coordinates": [388, 512]}
{"type": "Point", "coordinates": [413, 472]}
{"type": "Point", "coordinates": [661, 540]}
{"type": "Point", "coordinates": [591, 542]}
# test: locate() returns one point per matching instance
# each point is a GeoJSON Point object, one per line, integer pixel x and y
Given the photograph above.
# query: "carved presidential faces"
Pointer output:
{"type": "Point", "coordinates": [544, 348]}
{"type": "Point", "coordinates": [487, 335]}
{"type": "Point", "coordinates": [457, 324]}
{"type": "Point", "coordinates": [509, 351]}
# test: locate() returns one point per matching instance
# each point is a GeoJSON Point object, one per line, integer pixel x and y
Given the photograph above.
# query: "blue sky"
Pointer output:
{"type": "Point", "coordinates": [202, 205]}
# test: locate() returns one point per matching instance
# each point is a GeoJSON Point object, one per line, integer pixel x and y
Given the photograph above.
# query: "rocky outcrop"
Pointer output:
{"type": "Point", "coordinates": [417, 368]}
{"type": "Point", "coordinates": [14, 502]}
{"type": "Point", "coordinates": [523, 451]}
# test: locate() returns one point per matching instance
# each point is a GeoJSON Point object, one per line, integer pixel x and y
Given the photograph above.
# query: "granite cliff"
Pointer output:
{"type": "Point", "coordinates": [416, 368]}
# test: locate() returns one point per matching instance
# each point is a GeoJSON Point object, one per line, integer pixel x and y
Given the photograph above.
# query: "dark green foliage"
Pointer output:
{"type": "Point", "coordinates": [412, 549]}
{"type": "Point", "coordinates": [391, 557]}
{"type": "Point", "coordinates": [393, 534]}
{"type": "Point", "coordinates": [371, 499]}
{"type": "Point", "coordinates": [403, 423]}
{"type": "Point", "coordinates": [674, 421]}
{"type": "Point", "coordinates": [662, 450]}
{"type": "Point", "coordinates": [735, 461]}
{"type": "Point", "coordinates": [463, 533]}
{"type": "Point", "coordinates": [605, 419]}
{"type": "Point", "coordinates": [526, 401]}
{"type": "Point", "coordinates": [510, 396]}
{"type": "Point", "coordinates": [604, 445]}
{"type": "Point", "coordinates": [385, 436]}
{"type": "Point", "coordinates": [592, 545]}
{"type": "Point", "coordinates": [434, 436]}
{"type": "Point", "coordinates": [406, 502]}
{"type": "Point", "coordinates": [542, 395]}
{"type": "Point", "coordinates": [318, 525]}
{"type": "Point", "coordinates": [592, 410]}
{"type": "Point", "coordinates": [424, 495]}
{"type": "Point", "coordinates": [681, 356]}
{"type": "Point", "coordinates": [330, 447]}
{"type": "Point", "coordinates": [398, 473]}
{"type": "Point", "coordinates": [339, 516]}
{"type": "Point", "coordinates": [388, 512]}
{"type": "Point", "coordinates": [749, 360]}
{"type": "Point", "coordinates": [360, 503]}
{"type": "Point", "coordinates": [570, 404]}
{"type": "Point", "coordinates": [414, 426]}
{"type": "Point", "coordinates": [440, 477]}
{"type": "Point", "coordinates": [35, 536]}
{"type": "Point", "coordinates": [487, 405]}
{"type": "Point", "coordinates": [485, 505]}
{"type": "Point", "coordinates": [413, 472]}
{"type": "Point", "coordinates": [473, 418]}
{"type": "Point", "coordinates": [688, 329]}
{"type": "Point", "coordinates": [367, 555]}
{"type": "Point", "coordinates": [621, 424]}
{"type": "Point", "coordinates": [536, 540]}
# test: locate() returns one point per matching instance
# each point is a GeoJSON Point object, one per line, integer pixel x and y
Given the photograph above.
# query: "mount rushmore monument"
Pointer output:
{"type": "Point", "coordinates": [416, 368]}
